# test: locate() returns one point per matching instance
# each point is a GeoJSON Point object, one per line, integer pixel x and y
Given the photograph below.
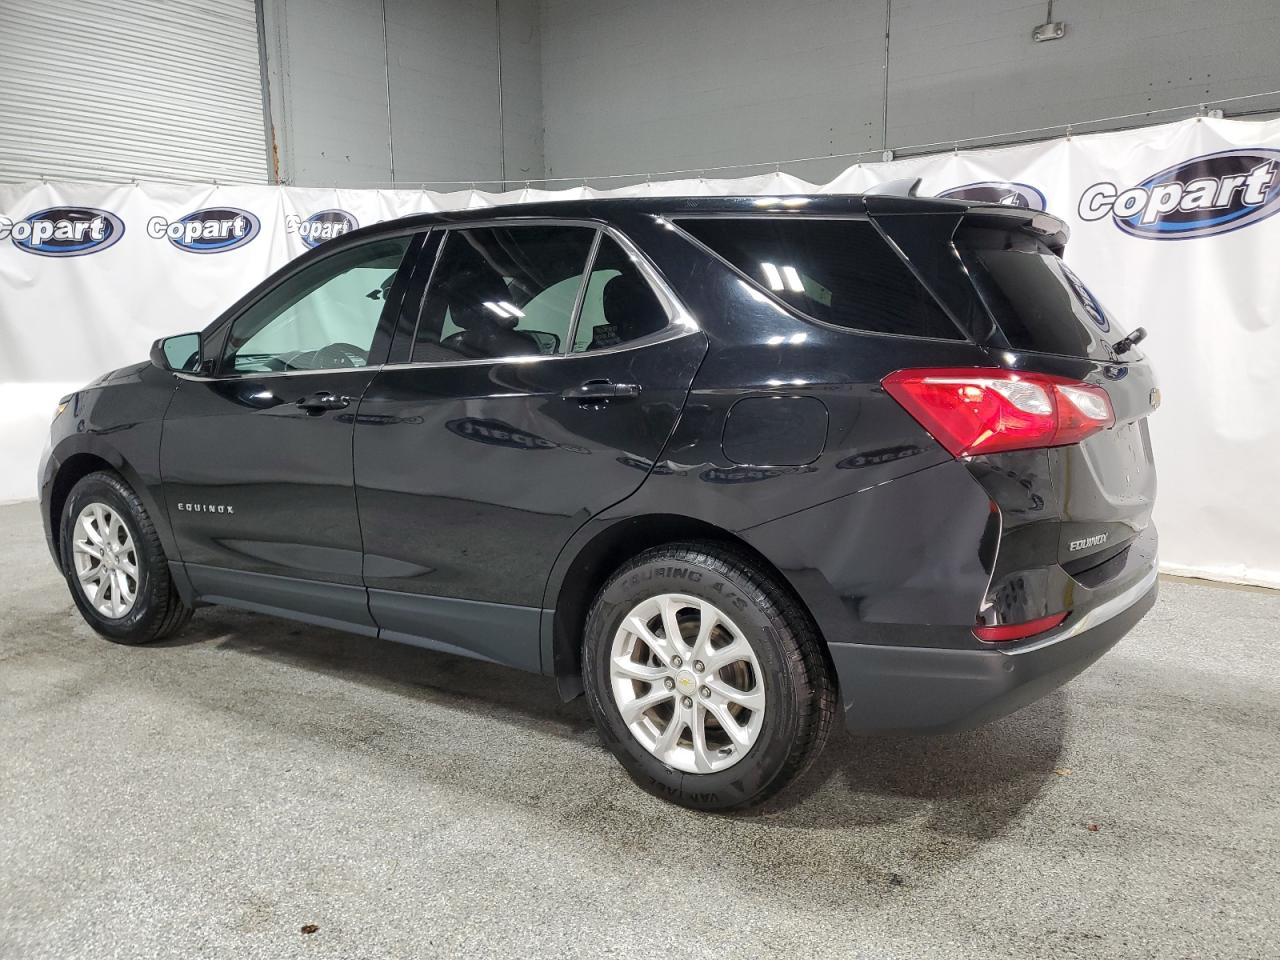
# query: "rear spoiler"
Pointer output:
{"type": "Point", "coordinates": [902, 196]}
{"type": "Point", "coordinates": [1046, 226]}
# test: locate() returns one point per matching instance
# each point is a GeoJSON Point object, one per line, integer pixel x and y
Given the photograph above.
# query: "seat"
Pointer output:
{"type": "Point", "coordinates": [483, 332]}
{"type": "Point", "coordinates": [631, 311]}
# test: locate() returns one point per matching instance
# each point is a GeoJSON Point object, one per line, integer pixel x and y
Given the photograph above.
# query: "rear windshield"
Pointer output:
{"type": "Point", "coordinates": [1037, 300]}
{"type": "Point", "coordinates": [837, 271]}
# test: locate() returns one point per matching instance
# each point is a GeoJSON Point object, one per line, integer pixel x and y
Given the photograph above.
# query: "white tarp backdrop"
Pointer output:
{"type": "Point", "coordinates": [1170, 227]}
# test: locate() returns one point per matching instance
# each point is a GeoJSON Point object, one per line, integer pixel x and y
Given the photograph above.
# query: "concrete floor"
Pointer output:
{"type": "Point", "coordinates": [211, 796]}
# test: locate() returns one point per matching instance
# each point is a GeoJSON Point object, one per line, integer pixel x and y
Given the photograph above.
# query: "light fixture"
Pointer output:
{"type": "Point", "coordinates": [772, 276]}
{"type": "Point", "coordinates": [1050, 29]}
{"type": "Point", "coordinates": [508, 311]}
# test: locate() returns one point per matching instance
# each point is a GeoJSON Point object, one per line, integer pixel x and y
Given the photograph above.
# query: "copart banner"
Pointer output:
{"type": "Point", "coordinates": [1173, 227]}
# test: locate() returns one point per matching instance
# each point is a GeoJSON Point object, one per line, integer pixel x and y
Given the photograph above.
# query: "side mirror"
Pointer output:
{"type": "Point", "coordinates": [182, 353]}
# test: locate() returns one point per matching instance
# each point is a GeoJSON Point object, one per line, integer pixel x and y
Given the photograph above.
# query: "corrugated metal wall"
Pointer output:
{"type": "Point", "coordinates": [118, 89]}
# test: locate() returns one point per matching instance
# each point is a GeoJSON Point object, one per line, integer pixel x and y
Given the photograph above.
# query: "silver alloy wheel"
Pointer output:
{"type": "Point", "coordinates": [687, 683]}
{"type": "Point", "coordinates": [106, 562]}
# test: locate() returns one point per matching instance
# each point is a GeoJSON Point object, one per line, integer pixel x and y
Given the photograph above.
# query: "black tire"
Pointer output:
{"type": "Point", "coordinates": [157, 611]}
{"type": "Point", "coordinates": [800, 693]}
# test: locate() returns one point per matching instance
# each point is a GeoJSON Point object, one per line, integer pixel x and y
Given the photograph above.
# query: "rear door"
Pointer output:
{"type": "Point", "coordinates": [256, 459]}
{"type": "Point", "coordinates": [546, 373]}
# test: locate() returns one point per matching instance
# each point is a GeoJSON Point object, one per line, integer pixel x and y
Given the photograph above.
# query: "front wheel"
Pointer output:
{"type": "Point", "coordinates": [705, 677]}
{"type": "Point", "coordinates": [115, 565]}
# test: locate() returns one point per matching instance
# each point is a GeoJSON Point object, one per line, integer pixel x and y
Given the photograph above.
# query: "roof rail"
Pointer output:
{"type": "Point", "coordinates": [906, 187]}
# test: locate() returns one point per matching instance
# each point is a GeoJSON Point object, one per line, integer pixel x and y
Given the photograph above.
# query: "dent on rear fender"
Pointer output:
{"type": "Point", "coordinates": [918, 550]}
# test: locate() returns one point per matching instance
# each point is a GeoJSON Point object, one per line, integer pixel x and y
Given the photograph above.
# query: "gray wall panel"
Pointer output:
{"type": "Point", "coordinates": [329, 90]}
{"type": "Point", "coordinates": [970, 69]}
{"type": "Point", "coordinates": [646, 85]}
{"type": "Point", "coordinates": [521, 25]}
{"type": "Point", "coordinates": [330, 76]}
{"type": "Point", "coordinates": [444, 89]}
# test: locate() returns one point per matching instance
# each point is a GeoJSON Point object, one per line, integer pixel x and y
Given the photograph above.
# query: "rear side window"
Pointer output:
{"type": "Point", "coordinates": [503, 292]}
{"type": "Point", "coordinates": [1038, 301]}
{"type": "Point", "coordinates": [838, 271]}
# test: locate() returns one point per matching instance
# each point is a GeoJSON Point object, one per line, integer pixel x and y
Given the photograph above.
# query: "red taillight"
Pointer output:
{"type": "Point", "coordinates": [1005, 632]}
{"type": "Point", "coordinates": [972, 410]}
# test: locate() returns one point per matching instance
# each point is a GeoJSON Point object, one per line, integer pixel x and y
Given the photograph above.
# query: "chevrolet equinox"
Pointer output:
{"type": "Point", "coordinates": [731, 467]}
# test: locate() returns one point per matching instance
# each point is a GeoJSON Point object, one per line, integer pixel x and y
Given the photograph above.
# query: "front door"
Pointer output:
{"type": "Point", "coordinates": [538, 392]}
{"type": "Point", "coordinates": [256, 459]}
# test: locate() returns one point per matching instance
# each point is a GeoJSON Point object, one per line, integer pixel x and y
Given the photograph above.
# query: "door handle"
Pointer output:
{"type": "Point", "coordinates": [323, 400]}
{"type": "Point", "coordinates": [602, 390]}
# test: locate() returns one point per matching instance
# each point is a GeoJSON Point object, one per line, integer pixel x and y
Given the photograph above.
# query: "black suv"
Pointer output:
{"type": "Point", "coordinates": [729, 466]}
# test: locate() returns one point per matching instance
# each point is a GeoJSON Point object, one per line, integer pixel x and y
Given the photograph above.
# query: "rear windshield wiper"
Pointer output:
{"type": "Point", "coordinates": [1126, 344]}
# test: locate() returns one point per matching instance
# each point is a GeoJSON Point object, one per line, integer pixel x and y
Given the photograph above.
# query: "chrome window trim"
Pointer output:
{"type": "Point", "coordinates": [671, 332]}
{"type": "Point", "coordinates": [584, 281]}
{"type": "Point", "coordinates": [249, 375]}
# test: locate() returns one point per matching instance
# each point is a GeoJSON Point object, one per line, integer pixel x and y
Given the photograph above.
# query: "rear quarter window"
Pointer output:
{"type": "Point", "coordinates": [840, 272]}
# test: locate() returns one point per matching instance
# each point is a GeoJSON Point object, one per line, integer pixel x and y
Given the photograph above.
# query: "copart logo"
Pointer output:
{"type": "Point", "coordinates": [1005, 193]}
{"type": "Point", "coordinates": [211, 230]}
{"type": "Point", "coordinates": [322, 226]}
{"type": "Point", "coordinates": [1201, 197]}
{"type": "Point", "coordinates": [1085, 297]}
{"type": "Point", "coordinates": [63, 231]}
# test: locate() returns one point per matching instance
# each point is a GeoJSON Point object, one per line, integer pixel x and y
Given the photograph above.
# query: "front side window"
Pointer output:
{"type": "Point", "coordinates": [840, 272]}
{"type": "Point", "coordinates": [619, 305]}
{"type": "Point", "coordinates": [503, 292]}
{"type": "Point", "coordinates": [324, 317]}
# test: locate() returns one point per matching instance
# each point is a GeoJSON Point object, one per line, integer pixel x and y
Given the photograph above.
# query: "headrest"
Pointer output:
{"type": "Point", "coordinates": [631, 307]}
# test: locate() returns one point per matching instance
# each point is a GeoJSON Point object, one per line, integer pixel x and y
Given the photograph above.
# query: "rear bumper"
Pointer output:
{"type": "Point", "coordinates": [930, 690]}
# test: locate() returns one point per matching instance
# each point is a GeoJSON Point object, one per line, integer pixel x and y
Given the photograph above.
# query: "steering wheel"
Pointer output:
{"type": "Point", "coordinates": [340, 355]}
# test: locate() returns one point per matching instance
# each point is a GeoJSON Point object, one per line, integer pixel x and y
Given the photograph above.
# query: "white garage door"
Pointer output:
{"type": "Point", "coordinates": [118, 89]}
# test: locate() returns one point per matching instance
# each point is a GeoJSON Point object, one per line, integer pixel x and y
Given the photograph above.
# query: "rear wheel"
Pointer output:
{"type": "Point", "coordinates": [705, 677]}
{"type": "Point", "coordinates": [114, 564]}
